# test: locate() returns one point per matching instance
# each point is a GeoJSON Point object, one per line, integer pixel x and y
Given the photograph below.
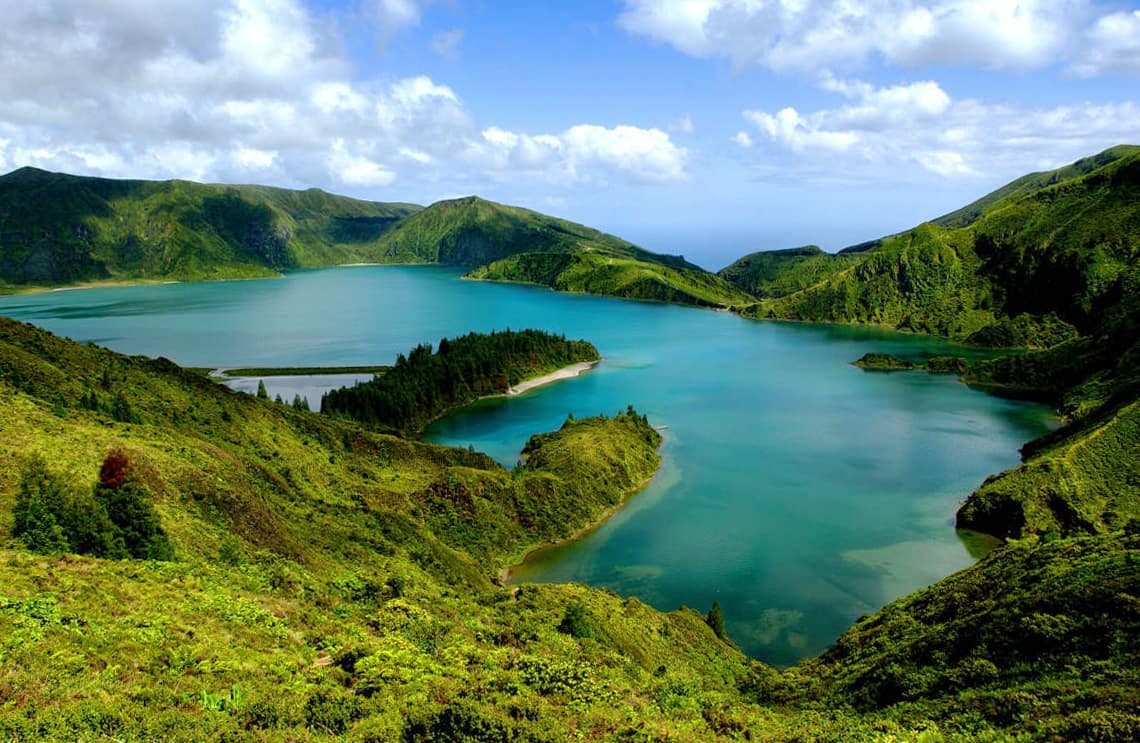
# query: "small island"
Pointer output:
{"type": "Point", "coordinates": [426, 385]}
{"type": "Point", "coordinates": [883, 362]}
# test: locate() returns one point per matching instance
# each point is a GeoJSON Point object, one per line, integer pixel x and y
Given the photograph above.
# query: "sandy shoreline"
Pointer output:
{"type": "Point", "coordinates": [566, 372]}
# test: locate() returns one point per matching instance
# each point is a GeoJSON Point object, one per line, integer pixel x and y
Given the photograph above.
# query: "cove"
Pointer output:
{"type": "Point", "coordinates": [797, 490]}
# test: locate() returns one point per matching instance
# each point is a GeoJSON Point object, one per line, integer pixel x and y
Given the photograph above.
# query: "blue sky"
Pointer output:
{"type": "Point", "coordinates": [705, 127]}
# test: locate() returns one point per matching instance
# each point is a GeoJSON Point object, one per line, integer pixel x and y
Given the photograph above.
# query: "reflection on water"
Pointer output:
{"type": "Point", "coordinates": [798, 491]}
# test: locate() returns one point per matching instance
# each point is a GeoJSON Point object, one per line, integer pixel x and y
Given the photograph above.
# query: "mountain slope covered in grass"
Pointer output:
{"type": "Point", "coordinates": [1049, 257]}
{"type": "Point", "coordinates": [616, 276]}
{"type": "Point", "coordinates": [60, 229]}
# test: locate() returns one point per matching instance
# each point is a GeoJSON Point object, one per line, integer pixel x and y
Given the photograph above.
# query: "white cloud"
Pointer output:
{"type": "Point", "coordinates": [810, 35]}
{"type": "Point", "coordinates": [446, 43]}
{"type": "Point", "coordinates": [743, 138]}
{"type": "Point", "coordinates": [250, 158]}
{"type": "Point", "coordinates": [583, 151]}
{"type": "Point", "coordinates": [886, 132]}
{"type": "Point", "coordinates": [646, 154]}
{"type": "Point", "coordinates": [261, 90]}
{"type": "Point", "coordinates": [1112, 45]}
{"type": "Point", "coordinates": [356, 169]}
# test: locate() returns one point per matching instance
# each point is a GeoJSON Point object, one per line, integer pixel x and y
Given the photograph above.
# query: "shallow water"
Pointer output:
{"type": "Point", "coordinates": [797, 490]}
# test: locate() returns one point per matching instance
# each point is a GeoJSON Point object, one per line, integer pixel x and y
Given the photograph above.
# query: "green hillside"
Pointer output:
{"type": "Point", "coordinates": [1048, 257]}
{"type": "Point", "coordinates": [60, 229]}
{"type": "Point", "coordinates": [616, 276]}
{"type": "Point", "coordinates": [330, 582]}
{"type": "Point", "coordinates": [472, 231]}
{"type": "Point", "coordinates": [777, 273]}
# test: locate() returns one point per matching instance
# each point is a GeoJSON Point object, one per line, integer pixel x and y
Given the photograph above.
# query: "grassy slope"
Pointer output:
{"type": "Point", "coordinates": [1030, 266]}
{"type": "Point", "coordinates": [617, 276]}
{"type": "Point", "coordinates": [60, 229]}
{"type": "Point", "coordinates": [473, 231]}
{"type": "Point", "coordinates": [360, 601]}
{"type": "Point", "coordinates": [778, 273]}
{"type": "Point", "coordinates": [1043, 639]}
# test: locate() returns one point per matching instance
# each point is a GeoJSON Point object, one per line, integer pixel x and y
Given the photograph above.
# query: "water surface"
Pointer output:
{"type": "Point", "coordinates": [797, 490]}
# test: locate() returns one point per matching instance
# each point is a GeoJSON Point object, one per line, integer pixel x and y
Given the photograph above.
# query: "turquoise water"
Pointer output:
{"type": "Point", "coordinates": [798, 491]}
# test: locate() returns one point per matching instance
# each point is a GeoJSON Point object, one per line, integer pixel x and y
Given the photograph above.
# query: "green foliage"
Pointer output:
{"type": "Point", "coordinates": [472, 231]}
{"type": "Point", "coordinates": [117, 521]}
{"type": "Point", "coordinates": [1023, 641]}
{"type": "Point", "coordinates": [576, 622]}
{"type": "Point", "coordinates": [617, 276]}
{"type": "Point", "coordinates": [1032, 265]}
{"type": "Point", "coordinates": [40, 498]}
{"type": "Point", "coordinates": [424, 386]}
{"type": "Point", "coordinates": [715, 620]}
{"type": "Point", "coordinates": [883, 362]}
{"type": "Point", "coordinates": [778, 273]}
{"type": "Point", "coordinates": [262, 393]}
{"type": "Point", "coordinates": [60, 229]}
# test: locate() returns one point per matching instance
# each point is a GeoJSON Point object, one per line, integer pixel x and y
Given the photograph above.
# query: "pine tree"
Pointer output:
{"type": "Point", "coordinates": [262, 393]}
{"type": "Point", "coordinates": [129, 506]}
{"type": "Point", "coordinates": [715, 619]}
{"type": "Point", "coordinates": [38, 501]}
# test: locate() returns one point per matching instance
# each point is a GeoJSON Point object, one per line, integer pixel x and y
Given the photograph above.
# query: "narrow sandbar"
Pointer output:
{"type": "Point", "coordinates": [566, 372]}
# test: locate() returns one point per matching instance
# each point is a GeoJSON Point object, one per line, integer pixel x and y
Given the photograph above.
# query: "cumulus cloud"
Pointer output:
{"type": "Point", "coordinates": [260, 90]}
{"type": "Point", "coordinates": [1112, 45]}
{"type": "Point", "coordinates": [843, 34]}
{"type": "Point", "coordinates": [883, 131]}
{"type": "Point", "coordinates": [643, 155]}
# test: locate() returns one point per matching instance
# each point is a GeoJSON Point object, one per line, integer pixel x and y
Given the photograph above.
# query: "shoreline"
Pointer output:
{"type": "Point", "coordinates": [506, 574]}
{"type": "Point", "coordinates": [566, 372]}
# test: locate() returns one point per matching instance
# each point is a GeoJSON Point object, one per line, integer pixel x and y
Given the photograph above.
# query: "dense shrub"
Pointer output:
{"type": "Point", "coordinates": [115, 521]}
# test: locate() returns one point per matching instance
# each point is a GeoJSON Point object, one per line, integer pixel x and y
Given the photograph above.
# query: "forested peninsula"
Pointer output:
{"type": "Point", "coordinates": [426, 385]}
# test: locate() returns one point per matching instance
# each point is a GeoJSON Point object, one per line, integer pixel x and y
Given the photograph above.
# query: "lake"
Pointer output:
{"type": "Point", "coordinates": [797, 490]}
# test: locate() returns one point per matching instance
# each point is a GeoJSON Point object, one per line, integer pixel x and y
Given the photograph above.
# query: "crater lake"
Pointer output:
{"type": "Point", "coordinates": [797, 490]}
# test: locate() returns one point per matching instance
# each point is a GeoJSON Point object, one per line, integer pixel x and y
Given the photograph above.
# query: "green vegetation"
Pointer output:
{"type": "Point", "coordinates": [335, 582]}
{"type": "Point", "coordinates": [60, 229]}
{"type": "Point", "coordinates": [1040, 639]}
{"type": "Point", "coordinates": [883, 362]}
{"type": "Point", "coordinates": [778, 273]}
{"type": "Point", "coordinates": [1037, 263]}
{"type": "Point", "coordinates": [473, 231]}
{"type": "Point", "coordinates": [116, 521]}
{"type": "Point", "coordinates": [424, 386]}
{"type": "Point", "coordinates": [616, 276]}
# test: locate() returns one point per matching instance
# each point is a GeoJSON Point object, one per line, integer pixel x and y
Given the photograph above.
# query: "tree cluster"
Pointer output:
{"type": "Point", "coordinates": [424, 385]}
{"type": "Point", "coordinates": [115, 519]}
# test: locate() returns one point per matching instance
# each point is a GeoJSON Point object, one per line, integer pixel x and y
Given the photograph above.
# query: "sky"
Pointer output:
{"type": "Point", "coordinates": [710, 128]}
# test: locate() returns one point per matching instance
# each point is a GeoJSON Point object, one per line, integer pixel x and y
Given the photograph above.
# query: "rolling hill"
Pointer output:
{"type": "Point", "coordinates": [1044, 259]}
{"type": "Point", "coordinates": [59, 229]}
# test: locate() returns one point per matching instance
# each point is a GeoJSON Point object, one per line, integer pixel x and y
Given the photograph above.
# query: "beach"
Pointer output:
{"type": "Point", "coordinates": [566, 372]}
